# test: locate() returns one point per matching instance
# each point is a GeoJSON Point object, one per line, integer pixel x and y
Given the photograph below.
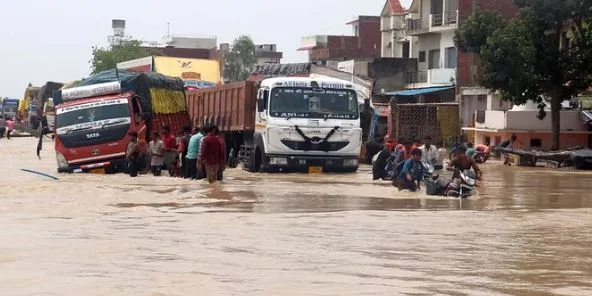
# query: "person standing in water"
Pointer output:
{"type": "Point", "coordinates": [133, 154]}
{"type": "Point", "coordinates": [212, 154]}
{"type": "Point", "coordinates": [9, 127]}
{"type": "Point", "coordinates": [2, 127]}
{"type": "Point", "coordinates": [156, 148]}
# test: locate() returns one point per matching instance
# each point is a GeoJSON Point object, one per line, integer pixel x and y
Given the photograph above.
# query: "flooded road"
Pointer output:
{"type": "Point", "coordinates": [529, 232]}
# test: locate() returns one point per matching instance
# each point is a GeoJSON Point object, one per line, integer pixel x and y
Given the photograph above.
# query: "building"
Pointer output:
{"type": "Point", "coordinates": [192, 47]}
{"type": "Point", "coordinates": [268, 54]}
{"type": "Point", "coordinates": [500, 120]}
{"type": "Point", "coordinates": [395, 43]}
{"type": "Point", "coordinates": [364, 43]}
{"type": "Point", "coordinates": [204, 47]}
{"type": "Point", "coordinates": [265, 54]}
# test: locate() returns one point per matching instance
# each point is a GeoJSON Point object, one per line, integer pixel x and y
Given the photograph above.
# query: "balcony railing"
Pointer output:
{"type": "Point", "coordinates": [449, 19]}
{"type": "Point", "coordinates": [417, 25]}
{"type": "Point", "coordinates": [417, 77]}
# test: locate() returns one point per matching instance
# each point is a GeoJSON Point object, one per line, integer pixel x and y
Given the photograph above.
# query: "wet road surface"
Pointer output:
{"type": "Point", "coordinates": [528, 232]}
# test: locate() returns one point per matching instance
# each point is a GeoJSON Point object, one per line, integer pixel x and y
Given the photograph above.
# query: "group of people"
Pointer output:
{"type": "Point", "coordinates": [192, 154]}
{"type": "Point", "coordinates": [404, 163]}
{"type": "Point", "coordinates": [6, 126]}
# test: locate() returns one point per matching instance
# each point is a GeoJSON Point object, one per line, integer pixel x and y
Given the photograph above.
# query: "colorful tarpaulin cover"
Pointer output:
{"type": "Point", "coordinates": [158, 93]}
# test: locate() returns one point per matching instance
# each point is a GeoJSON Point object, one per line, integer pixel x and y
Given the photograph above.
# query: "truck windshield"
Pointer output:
{"type": "Point", "coordinates": [92, 115]}
{"type": "Point", "coordinates": [299, 102]}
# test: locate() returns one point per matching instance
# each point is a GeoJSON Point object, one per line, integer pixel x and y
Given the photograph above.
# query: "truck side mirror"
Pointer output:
{"type": "Point", "coordinates": [261, 105]}
{"type": "Point", "coordinates": [262, 100]}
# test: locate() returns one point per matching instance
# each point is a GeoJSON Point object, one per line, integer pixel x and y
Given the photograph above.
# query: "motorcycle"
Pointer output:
{"type": "Point", "coordinates": [462, 185]}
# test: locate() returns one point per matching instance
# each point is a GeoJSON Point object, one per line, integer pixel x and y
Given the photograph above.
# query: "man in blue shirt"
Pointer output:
{"type": "Point", "coordinates": [411, 173]}
{"type": "Point", "coordinates": [192, 153]}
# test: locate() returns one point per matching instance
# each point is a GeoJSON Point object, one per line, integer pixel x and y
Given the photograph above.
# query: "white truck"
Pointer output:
{"type": "Point", "coordinates": [305, 124]}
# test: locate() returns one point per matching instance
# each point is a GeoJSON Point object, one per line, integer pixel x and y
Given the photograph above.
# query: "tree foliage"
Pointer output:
{"type": "Point", "coordinates": [523, 58]}
{"type": "Point", "coordinates": [107, 58]}
{"type": "Point", "coordinates": [474, 32]}
{"type": "Point", "coordinates": [241, 59]}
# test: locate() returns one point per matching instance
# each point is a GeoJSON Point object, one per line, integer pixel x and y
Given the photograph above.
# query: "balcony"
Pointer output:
{"type": "Point", "coordinates": [527, 121]}
{"type": "Point", "coordinates": [431, 77]}
{"type": "Point", "coordinates": [434, 23]}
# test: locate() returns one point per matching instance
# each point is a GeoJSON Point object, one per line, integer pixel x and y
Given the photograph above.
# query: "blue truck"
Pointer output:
{"type": "Point", "coordinates": [9, 107]}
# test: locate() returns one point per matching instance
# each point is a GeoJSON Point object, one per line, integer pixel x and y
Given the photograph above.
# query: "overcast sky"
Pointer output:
{"type": "Point", "coordinates": [51, 40]}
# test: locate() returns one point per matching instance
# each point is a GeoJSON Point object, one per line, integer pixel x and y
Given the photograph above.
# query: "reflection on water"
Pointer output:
{"type": "Point", "coordinates": [528, 232]}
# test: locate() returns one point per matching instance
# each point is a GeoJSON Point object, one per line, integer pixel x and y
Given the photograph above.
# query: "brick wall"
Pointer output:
{"type": "Point", "coordinates": [467, 64]}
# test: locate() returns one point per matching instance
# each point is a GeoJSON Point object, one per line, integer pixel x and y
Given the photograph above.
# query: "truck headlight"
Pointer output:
{"type": "Point", "coordinates": [350, 162]}
{"type": "Point", "coordinates": [278, 161]}
{"type": "Point", "coordinates": [62, 163]}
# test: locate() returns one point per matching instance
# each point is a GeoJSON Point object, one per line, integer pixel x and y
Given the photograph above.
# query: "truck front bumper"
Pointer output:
{"type": "Point", "coordinates": [305, 162]}
{"type": "Point", "coordinates": [112, 166]}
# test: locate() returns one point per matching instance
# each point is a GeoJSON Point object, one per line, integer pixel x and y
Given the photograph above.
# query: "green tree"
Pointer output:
{"type": "Point", "coordinates": [241, 59]}
{"type": "Point", "coordinates": [524, 58]}
{"type": "Point", "coordinates": [107, 58]}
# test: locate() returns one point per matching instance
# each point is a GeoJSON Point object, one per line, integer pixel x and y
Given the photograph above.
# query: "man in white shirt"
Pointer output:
{"type": "Point", "coordinates": [429, 152]}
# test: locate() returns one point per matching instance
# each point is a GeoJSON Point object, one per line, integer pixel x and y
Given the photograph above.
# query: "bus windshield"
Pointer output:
{"type": "Point", "coordinates": [302, 102]}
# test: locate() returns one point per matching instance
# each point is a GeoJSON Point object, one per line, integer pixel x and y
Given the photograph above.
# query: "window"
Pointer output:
{"type": "Point", "coordinates": [536, 142]}
{"type": "Point", "coordinates": [450, 58]}
{"type": "Point", "coordinates": [422, 56]}
{"type": "Point", "coordinates": [434, 59]}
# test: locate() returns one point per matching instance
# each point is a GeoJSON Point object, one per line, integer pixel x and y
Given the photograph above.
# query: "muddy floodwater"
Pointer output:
{"type": "Point", "coordinates": [528, 232]}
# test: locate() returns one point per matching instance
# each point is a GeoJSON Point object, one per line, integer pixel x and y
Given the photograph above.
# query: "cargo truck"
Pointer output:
{"type": "Point", "coordinates": [285, 123]}
{"type": "Point", "coordinates": [96, 115]}
{"type": "Point", "coordinates": [9, 108]}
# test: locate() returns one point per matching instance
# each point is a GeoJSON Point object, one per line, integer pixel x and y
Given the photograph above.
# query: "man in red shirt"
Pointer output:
{"type": "Point", "coordinates": [170, 149]}
{"type": "Point", "coordinates": [212, 154]}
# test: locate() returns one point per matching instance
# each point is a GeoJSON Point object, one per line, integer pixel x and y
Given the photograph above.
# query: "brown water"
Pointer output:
{"type": "Point", "coordinates": [529, 232]}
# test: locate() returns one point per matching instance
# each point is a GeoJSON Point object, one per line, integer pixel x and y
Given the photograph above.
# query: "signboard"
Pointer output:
{"type": "Point", "coordinates": [91, 91]}
{"type": "Point", "coordinates": [321, 84]}
{"type": "Point", "coordinates": [191, 76]}
{"type": "Point", "coordinates": [347, 66]}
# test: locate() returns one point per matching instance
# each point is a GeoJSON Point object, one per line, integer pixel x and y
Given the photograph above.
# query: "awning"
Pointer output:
{"type": "Point", "coordinates": [587, 116]}
{"type": "Point", "coordinates": [417, 91]}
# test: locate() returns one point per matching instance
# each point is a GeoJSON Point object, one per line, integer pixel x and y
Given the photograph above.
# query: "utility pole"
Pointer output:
{"type": "Point", "coordinates": [168, 29]}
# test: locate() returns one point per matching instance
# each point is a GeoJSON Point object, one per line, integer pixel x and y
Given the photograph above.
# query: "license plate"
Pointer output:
{"type": "Point", "coordinates": [98, 171]}
{"type": "Point", "coordinates": [315, 170]}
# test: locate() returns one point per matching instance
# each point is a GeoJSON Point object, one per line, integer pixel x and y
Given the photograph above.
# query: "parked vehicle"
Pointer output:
{"type": "Point", "coordinates": [96, 115]}
{"type": "Point", "coordinates": [462, 185]}
{"type": "Point", "coordinates": [287, 123]}
{"type": "Point", "coordinates": [9, 107]}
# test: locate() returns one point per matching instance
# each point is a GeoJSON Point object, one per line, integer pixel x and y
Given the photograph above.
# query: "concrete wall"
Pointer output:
{"type": "Point", "coordinates": [426, 43]}
{"type": "Point", "coordinates": [566, 140]}
{"type": "Point", "coordinates": [391, 73]}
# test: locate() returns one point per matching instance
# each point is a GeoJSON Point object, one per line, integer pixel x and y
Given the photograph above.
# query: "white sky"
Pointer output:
{"type": "Point", "coordinates": [51, 40]}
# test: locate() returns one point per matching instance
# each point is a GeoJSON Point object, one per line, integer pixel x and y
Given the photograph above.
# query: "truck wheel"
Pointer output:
{"type": "Point", "coordinates": [261, 166]}
{"type": "Point", "coordinates": [251, 164]}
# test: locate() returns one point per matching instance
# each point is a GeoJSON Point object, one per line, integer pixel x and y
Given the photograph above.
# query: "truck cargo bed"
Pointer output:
{"type": "Point", "coordinates": [231, 106]}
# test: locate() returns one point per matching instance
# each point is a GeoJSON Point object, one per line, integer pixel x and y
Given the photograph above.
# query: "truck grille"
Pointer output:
{"type": "Point", "coordinates": [303, 146]}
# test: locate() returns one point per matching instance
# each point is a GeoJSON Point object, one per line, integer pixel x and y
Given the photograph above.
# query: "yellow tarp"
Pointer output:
{"type": "Point", "coordinates": [209, 70]}
{"type": "Point", "coordinates": [166, 101]}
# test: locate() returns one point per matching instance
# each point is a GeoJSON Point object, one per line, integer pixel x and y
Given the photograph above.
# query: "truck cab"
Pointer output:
{"type": "Point", "coordinates": [92, 128]}
{"type": "Point", "coordinates": [305, 124]}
